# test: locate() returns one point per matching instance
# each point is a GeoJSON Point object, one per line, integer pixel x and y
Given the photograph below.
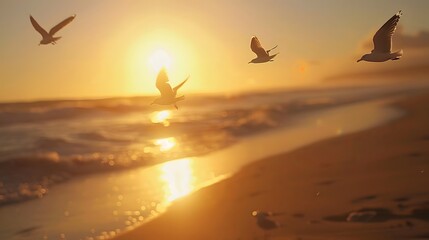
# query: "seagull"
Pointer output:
{"type": "Point", "coordinates": [49, 37]}
{"type": "Point", "coordinates": [168, 94]}
{"type": "Point", "coordinates": [383, 43]}
{"type": "Point", "coordinates": [263, 221]}
{"type": "Point", "coordinates": [262, 56]}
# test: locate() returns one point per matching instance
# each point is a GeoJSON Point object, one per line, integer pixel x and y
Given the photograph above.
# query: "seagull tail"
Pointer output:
{"type": "Point", "coordinates": [181, 98]}
{"type": "Point", "coordinates": [272, 56]}
{"type": "Point", "coordinates": [400, 52]}
{"type": "Point", "coordinates": [56, 38]}
{"type": "Point", "coordinates": [397, 55]}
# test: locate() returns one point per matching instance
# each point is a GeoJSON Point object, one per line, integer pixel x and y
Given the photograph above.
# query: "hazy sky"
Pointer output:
{"type": "Point", "coordinates": [113, 48]}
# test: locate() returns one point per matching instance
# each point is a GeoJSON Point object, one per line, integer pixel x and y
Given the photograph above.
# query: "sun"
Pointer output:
{"type": "Point", "coordinates": [149, 54]}
{"type": "Point", "coordinates": [160, 59]}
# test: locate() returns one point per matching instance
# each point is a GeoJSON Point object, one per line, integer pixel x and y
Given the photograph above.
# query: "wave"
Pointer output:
{"type": "Point", "coordinates": [34, 112]}
{"type": "Point", "coordinates": [97, 136]}
{"type": "Point", "coordinates": [101, 136]}
{"type": "Point", "coordinates": [30, 176]}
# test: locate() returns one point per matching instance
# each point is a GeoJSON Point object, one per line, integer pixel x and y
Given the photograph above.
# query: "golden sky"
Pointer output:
{"type": "Point", "coordinates": [114, 48]}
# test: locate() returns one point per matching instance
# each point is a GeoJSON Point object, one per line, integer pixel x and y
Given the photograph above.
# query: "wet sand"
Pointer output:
{"type": "Point", "coordinates": [372, 184]}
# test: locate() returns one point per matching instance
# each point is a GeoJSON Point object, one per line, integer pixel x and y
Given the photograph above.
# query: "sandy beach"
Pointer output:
{"type": "Point", "coordinates": [214, 120]}
{"type": "Point", "coordinates": [367, 185]}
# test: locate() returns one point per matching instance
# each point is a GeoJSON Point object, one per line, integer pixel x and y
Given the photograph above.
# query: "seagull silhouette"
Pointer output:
{"type": "Point", "coordinates": [168, 94]}
{"type": "Point", "coordinates": [264, 222]}
{"type": "Point", "coordinates": [49, 37]}
{"type": "Point", "coordinates": [262, 56]}
{"type": "Point", "coordinates": [383, 43]}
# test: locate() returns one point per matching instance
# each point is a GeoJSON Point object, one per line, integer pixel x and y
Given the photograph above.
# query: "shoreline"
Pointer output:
{"type": "Point", "coordinates": [331, 186]}
{"type": "Point", "coordinates": [52, 170]}
{"type": "Point", "coordinates": [303, 129]}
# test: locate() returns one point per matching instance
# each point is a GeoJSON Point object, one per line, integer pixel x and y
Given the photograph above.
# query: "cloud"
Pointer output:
{"type": "Point", "coordinates": [314, 62]}
{"type": "Point", "coordinates": [391, 73]}
{"type": "Point", "coordinates": [406, 41]}
{"type": "Point", "coordinates": [413, 65]}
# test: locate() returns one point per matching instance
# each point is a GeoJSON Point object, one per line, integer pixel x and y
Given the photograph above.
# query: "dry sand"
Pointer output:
{"type": "Point", "coordinates": [384, 172]}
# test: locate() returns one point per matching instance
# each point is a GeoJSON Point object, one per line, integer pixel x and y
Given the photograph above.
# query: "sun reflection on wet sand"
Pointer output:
{"type": "Point", "coordinates": [161, 117]}
{"type": "Point", "coordinates": [165, 144]}
{"type": "Point", "coordinates": [178, 178]}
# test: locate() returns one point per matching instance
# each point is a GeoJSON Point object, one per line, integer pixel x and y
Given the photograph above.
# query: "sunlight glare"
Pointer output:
{"type": "Point", "coordinates": [161, 117]}
{"type": "Point", "coordinates": [165, 144]}
{"type": "Point", "coordinates": [178, 177]}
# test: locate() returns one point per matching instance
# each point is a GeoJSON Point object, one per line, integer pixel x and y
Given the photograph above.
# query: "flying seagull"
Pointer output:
{"type": "Point", "coordinates": [264, 222]}
{"type": "Point", "coordinates": [383, 43]}
{"type": "Point", "coordinates": [49, 37]}
{"type": "Point", "coordinates": [168, 94]}
{"type": "Point", "coordinates": [261, 55]}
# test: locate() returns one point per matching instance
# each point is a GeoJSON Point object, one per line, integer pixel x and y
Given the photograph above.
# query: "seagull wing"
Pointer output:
{"type": "Point", "coordinates": [268, 51]}
{"type": "Point", "coordinates": [176, 88]}
{"type": "Point", "coordinates": [38, 27]}
{"type": "Point", "coordinates": [163, 85]}
{"type": "Point", "coordinates": [383, 38]}
{"type": "Point", "coordinates": [257, 48]}
{"type": "Point", "coordinates": [60, 25]}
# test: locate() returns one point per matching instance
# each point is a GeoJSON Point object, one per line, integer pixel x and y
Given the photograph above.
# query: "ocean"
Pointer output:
{"type": "Point", "coordinates": [44, 145]}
